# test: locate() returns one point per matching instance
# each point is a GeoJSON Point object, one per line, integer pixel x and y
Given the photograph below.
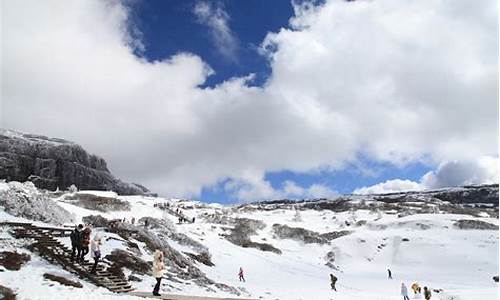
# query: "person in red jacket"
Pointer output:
{"type": "Point", "coordinates": [240, 275]}
{"type": "Point", "coordinates": [85, 242]}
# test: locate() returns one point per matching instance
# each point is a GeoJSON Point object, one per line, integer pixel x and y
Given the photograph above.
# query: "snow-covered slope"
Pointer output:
{"type": "Point", "coordinates": [416, 236]}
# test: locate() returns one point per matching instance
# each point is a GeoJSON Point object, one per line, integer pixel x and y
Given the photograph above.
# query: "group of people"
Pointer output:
{"type": "Point", "coordinates": [80, 242]}
{"type": "Point", "coordinates": [404, 290]}
{"type": "Point", "coordinates": [416, 290]}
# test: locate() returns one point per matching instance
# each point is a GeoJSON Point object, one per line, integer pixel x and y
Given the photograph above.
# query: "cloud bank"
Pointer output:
{"type": "Point", "coordinates": [451, 173]}
{"type": "Point", "coordinates": [394, 81]}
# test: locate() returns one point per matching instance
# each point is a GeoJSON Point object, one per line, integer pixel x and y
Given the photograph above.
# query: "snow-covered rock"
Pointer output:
{"type": "Point", "coordinates": [25, 200]}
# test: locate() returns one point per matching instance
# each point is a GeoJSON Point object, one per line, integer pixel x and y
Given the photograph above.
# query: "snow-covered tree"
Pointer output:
{"type": "Point", "coordinates": [73, 189]}
{"type": "Point", "coordinates": [297, 217]}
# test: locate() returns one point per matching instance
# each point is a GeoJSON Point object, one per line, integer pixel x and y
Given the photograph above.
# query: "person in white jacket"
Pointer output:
{"type": "Point", "coordinates": [404, 292]}
{"type": "Point", "coordinates": [158, 270]}
{"type": "Point", "coordinates": [95, 249]}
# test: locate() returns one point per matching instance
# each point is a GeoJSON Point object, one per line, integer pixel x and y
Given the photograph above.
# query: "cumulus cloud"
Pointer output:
{"type": "Point", "coordinates": [456, 173]}
{"type": "Point", "coordinates": [390, 186]}
{"type": "Point", "coordinates": [217, 19]}
{"type": "Point", "coordinates": [451, 173]}
{"type": "Point", "coordinates": [392, 81]}
{"type": "Point", "coordinates": [259, 189]}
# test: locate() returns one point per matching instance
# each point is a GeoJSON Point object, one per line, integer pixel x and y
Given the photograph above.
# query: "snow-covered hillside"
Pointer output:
{"type": "Point", "coordinates": [286, 249]}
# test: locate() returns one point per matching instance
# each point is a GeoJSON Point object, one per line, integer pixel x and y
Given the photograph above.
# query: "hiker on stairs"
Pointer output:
{"type": "Point", "coordinates": [95, 247]}
{"type": "Point", "coordinates": [85, 243]}
{"type": "Point", "coordinates": [158, 270]}
{"type": "Point", "coordinates": [76, 241]}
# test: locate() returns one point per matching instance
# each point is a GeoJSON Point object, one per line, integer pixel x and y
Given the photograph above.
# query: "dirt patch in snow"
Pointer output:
{"type": "Point", "coordinates": [62, 280]}
{"type": "Point", "coordinates": [13, 261]}
{"type": "Point", "coordinates": [7, 293]}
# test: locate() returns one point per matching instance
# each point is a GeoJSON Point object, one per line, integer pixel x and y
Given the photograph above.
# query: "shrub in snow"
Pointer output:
{"type": "Point", "coordinates": [25, 200]}
{"type": "Point", "coordinates": [475, 224]}
{"type": "Point", "coordinates": [72, 189]}
{"type": "Point", "coordinates": [306, 236]}
{"type": "Point", "coordinates": [94, 202]}
{"type": "Point", "coordinates": [124, 259]}
{"type": "Point", "coordinates": [297, 217]}
{"type": "Point", "coordinates": [166, 228]}
{"type": "Point", "coordinates": [243, 229]}
{"type": "Point", "coordinates": [330, 260]}
{"type": "Point", "coordinates": [96, 221]}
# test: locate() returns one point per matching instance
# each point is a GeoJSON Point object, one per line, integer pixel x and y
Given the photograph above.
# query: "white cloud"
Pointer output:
{"type": "Point", "coordinates": [451, 173]}
{"type": "Point", "coordinates": [389, 186]}
{"type": "Point", "coordinates": [455, 173]}
{"type": "Point", "coordinates": [260, 189]}
{"type": "Point", "coordinates": [394, 81]}
{"type": "Point", "coordinates": [216, 19]}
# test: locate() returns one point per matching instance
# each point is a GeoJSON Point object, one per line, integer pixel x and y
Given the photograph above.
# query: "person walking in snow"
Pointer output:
{"type": "Point", "coordinates": [85, 242]}
{"type": "Point", "coordinates": [404, 292]}
{"type": "Point", "coordinates": [76, 241]}
{"type": "Point", "coordinates": [333, 280]}
{"type": "Point", "coordinates": [389, 273]}
{"type": "Point", "coordinates": [95, 248]}
{"type": "Point", "coordinates": [241, 275]}
{"type": "Point", "coordinates": [427, 293]}
{"type": "Point", "coordinates": [158, 270]}
{"type": "Point", "coordinates": [416, 288]}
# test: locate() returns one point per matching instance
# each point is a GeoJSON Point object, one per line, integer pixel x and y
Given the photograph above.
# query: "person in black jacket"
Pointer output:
{"type": "Point", "coordinates": [333, 280]}
{"type": "Point", "coordinates": [427, 293]}
{"type": "Point", "coordinates": [76, 241]}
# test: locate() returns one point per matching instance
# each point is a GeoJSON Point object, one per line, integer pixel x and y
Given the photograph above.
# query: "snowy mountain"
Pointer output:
{"type": "Point", "coordinates": [53, 163]}
{"type": "Point", "coordinates": [446, 240]}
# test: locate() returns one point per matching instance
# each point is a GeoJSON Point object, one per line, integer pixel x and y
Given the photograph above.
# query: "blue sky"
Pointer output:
{"type": "Point", "coordinates": [170, 27]}
{"type": "Point", "coordinates": [346, 96]}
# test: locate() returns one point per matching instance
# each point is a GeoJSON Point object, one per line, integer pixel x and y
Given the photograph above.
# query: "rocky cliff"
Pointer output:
{"type": "Point", "coordinates": [52, 163]}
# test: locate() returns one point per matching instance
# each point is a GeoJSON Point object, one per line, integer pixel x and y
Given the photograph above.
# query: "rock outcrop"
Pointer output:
{"type": "Point", "coordinates": [52, 163]}
{"type": "Point", "coordinates": [26, 201]}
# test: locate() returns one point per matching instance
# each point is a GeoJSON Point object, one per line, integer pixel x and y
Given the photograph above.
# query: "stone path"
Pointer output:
{"type": "Point", "coordinates": [180, 297]}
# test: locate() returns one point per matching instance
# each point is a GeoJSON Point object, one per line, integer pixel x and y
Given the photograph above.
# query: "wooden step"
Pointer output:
{"type": "Point", "coordinates": [55, 251]}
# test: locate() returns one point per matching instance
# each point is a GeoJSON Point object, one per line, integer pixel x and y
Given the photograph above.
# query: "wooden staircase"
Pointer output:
{"type": "Point", "coordinates": [55, 252]}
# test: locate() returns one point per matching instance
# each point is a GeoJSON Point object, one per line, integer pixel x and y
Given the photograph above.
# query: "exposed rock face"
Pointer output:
{"type": "Point", "coordinates": [52, 163]}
